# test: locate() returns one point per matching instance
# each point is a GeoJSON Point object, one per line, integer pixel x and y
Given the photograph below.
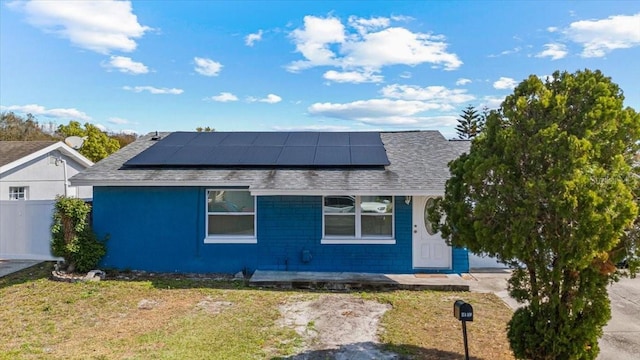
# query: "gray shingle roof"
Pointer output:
{"type": "Point", "coordinates": [11, 151]}
{"type": "Point", "coordinates": [418, 166]}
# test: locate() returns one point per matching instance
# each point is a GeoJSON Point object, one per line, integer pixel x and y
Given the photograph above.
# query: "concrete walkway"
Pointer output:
{"type": "Point", "coordinates": [350, 280]}
{"type": "Point", "coordinates": [10, 266]}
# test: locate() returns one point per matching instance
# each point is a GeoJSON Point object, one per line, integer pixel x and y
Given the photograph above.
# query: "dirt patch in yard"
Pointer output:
{"type": "Point", "coordinates": [336, 326]}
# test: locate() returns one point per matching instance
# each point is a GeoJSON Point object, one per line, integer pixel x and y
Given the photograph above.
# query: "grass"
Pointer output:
{"type": "Point", "coordinates": [207, 319]}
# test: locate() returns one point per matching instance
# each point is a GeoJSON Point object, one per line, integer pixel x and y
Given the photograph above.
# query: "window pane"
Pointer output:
{"type": "Point", "coordinates": [231, 225]}
{"type": "Point", "coordinates": [339, 204]}
{"type": "Point", "coordinates": [427, 224]}
{"type": "Point", "coordinates": [376, 204]}
{"type": "Point", "coordinates": [376, 225]}
{"type": "Point", "coordinates": [17, 193]}
{"type": "Point", "coordinates": [344, 225]}
{"type": "Point", "coordinates": [230, 201]}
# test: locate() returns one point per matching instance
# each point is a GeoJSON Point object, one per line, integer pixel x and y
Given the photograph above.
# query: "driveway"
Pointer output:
{"type": "Point", "coordinates": [10, 266]}
{"type": "Point", "coordinates": [621, 339]}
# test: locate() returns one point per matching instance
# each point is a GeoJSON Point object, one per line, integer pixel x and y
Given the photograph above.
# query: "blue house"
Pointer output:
{"type": "Point", "coordinates": [293, 201]}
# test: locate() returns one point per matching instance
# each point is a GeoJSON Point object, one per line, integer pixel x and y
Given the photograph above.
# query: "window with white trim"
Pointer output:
{"type": "Point", "coordinates": [231, 216]}
{"type": "Point", "coordinates": [357, 218]}
{"type": "Point", "coordinates": [18, 193]}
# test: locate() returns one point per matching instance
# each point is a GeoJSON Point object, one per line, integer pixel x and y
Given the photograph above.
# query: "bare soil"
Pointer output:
{"type": "Point", "coordinates": [337, 326]}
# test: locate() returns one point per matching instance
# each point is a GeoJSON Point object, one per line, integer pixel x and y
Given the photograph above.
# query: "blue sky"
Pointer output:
{"type": "Point", "coordinates": [292, 65]}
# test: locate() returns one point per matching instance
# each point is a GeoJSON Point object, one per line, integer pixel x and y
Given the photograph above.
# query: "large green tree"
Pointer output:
{"type": "Point", "coordinates": [548, 188]}
{"type": "Point", "coordinates": [97, 144]}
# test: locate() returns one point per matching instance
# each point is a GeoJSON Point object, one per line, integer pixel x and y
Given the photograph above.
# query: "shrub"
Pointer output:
{"type": "Point", "coordinates": [72, 237]}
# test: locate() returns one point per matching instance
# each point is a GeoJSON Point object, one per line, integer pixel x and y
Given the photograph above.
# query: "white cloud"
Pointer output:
{"type": "Point", "coordinates": [515, 50]}
{"type": "Point", "coordinates": [100, 26]}
{"type": "Point", "coordinates": [312, 128]}
{"type": "Point", "coordinates": [430, 93]}
{"type": "Point", "coordinates": [154, 90]}
{"type": "Point", "coordinates": [364, 26]}
{"type": "Point", "coordinates": [39, 110]}
{"type": "Point", "coordinates": [224, 97]}
{"type": "Point", "coordinates": [354, 77]}
{"type": "Point", "coordinates": [463, 81]}
{"type": "Point", "coordinates": [552, 29]}
{"type": "Point", "coordinates": [101, 127]}
{"type": "Point", "coordinates": [270, 99]}
{"type": "Point", "coordinates": [207, 67]}
{"type": "Point", "coordinates": [492, 102]}
{"type": "Point", "coordinates": [599, 37]}
{"type": "Point", "coordinates": [118, 121]}
{"type": "Point", "coordinates": [366, 45]}
{"type": "Point", "coordinates": [504, 83]}
{"type": "Point", "coordinates": [401, 105]}
{"type": "Point", "coordinates": [313, 42]}
{"type": "Point", "coordinates": [375, 111]}
{"type": "Point", "coordinates": [405, 75]}
{"type": "Point", "coordinates": [250, 39]}
{"type": "Point", "coordinates": [126, 65]}
{"type": "Point", "coordinates": [554, 51]}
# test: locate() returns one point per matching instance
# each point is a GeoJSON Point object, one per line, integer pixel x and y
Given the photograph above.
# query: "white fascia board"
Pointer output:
{"type": "Point", "coordinates": [257, 192]}
{"type": "Point", "coordinates": [60, 146]}
{"type": "Point", "coordinates": [75, 155]}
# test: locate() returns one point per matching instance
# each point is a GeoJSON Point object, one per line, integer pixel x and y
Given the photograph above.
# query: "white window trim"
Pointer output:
{"type": "Point", "coordinates": [230, 239]}
{"type": "Point", "coordinates": [24, 192]}
{"type": "Point", "coordinates": [358, 239]}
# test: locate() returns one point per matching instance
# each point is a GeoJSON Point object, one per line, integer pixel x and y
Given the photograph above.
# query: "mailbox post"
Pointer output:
{"type": "Point", "coordinates": [463, 312]}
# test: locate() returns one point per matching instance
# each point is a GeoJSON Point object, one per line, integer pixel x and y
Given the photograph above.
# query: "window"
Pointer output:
{"type": "Point", "coordinates": [427, 207]}
{"type": "Point", "coordinates": [17, 193]}
{"type": "Point", "coordinates": [356, 219]}
{"type": "Point", "coordinates": [230, 217]}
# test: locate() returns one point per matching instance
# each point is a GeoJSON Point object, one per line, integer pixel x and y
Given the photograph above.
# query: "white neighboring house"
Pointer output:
{"type": "Point", "coordinates": [32, 174]}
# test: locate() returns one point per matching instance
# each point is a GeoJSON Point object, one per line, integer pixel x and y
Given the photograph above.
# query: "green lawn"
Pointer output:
{"type": "Point", "coordinates": [177, 318]}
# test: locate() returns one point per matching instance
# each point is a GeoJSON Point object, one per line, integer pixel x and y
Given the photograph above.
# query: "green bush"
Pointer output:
{"type": "Point", "coordinates": [72, 237]}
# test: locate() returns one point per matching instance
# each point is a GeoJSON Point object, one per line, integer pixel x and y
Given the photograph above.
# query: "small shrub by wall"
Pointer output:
{"type": "Point", "coordinates": [72, 237]}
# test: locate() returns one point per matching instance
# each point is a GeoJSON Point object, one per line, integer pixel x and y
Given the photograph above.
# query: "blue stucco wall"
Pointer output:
{"type": "Point", "coordinates": [162, 229]}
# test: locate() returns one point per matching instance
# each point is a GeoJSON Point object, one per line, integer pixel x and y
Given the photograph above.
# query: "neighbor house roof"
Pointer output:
{"type": "Point", "coordinates": [418, 166]}
{"type": "Point", "coordinates": [16, 153]}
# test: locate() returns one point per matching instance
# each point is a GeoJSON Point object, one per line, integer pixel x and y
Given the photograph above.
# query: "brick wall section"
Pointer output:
{"type": "Point", "coordinates": [163, 229]}
{"type": "Point", "coordinates": [289, 225]}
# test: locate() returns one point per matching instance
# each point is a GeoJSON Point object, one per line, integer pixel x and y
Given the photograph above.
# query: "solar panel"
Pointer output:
{"type": "Point", "coordinates": [271, 138]}
{"type": "Point", "coordinates": [297, 155]}
{"type": "Point", "coordinates": [261, 155]}
{"type": "Point", "coordinates": [332, 155]}
{"type": "Point", "coordinates": [333, 139]}
{"type": "Point", "coordinates": [153, 156]}
{"type": "Point", "coordinates": [365, 139]}
{"type": "Point", "coordinates": [368, 155]}
{"type": "Point", "coordinates": [245, 149]}
{"type": "Point", "coordinates": [191, 155]}
{"type": "Point", "coordinates": [302, 139]}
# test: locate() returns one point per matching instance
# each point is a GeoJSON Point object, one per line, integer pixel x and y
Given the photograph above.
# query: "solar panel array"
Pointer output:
{"type": "Point", "coordinates": [279, 149]}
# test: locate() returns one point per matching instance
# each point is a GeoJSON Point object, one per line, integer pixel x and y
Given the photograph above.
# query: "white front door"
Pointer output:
{"type": "Point", "coordinates": [429, 248]}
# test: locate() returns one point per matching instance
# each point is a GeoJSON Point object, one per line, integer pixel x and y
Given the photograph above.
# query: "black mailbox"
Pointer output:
{"type": "Point", "coordinates": [462, 311]}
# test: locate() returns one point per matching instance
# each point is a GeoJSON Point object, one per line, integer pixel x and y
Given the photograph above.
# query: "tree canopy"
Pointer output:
{"type": "Point", "coordinates": [97, 144]}
{"type": "Point", "coordinates": [16, 128]}
{"type": "Point", "coordinates": [470, 123]}
{"type": "Point", "coordinates": [549, 188]}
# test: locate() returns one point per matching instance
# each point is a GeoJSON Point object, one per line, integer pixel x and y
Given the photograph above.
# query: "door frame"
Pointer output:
{"type": "Point", "coordinates": [418, 229]}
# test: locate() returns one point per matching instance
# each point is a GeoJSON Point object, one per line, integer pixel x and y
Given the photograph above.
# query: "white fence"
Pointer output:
{"type": "Point", "coordinates": [25, 229]}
